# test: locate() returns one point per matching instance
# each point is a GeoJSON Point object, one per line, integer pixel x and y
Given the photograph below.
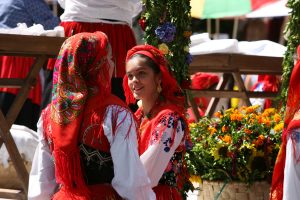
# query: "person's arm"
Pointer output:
{"type": "Point", "coordinates": [41, 13]}
{"type": "Point", "coordinates": [156, 158]}
{"type": "Point", "coordinates": [130, 178]}
{"type": "Point", "coordinates": [42, 183]}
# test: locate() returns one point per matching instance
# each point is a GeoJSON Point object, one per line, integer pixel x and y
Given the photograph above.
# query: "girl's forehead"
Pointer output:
{"type": "Point", "coordinates": [137, 64]}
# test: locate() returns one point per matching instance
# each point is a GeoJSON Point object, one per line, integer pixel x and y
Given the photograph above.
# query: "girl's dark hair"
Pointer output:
{"type": "Point", "coordinates": [149, 62]}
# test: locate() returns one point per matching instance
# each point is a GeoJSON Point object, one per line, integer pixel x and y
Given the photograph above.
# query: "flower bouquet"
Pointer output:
{"type": "Point", "coordinates": [237, 145]}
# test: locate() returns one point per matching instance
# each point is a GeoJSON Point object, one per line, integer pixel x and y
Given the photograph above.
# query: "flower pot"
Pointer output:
{"type": "Point", "coordinates": [209, 190]}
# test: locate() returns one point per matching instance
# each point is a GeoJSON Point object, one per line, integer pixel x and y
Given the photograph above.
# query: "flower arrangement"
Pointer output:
{"type": "Point", "coordinates": [237, 145]}
{"type": "Point", "coordinates": [167, 25]}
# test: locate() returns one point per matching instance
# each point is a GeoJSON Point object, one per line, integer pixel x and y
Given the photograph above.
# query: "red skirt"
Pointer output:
{"type": "Point", "coordinates": [121, 38]}
{"type": "Point", "coordinates": [165, 192]}
{"type": "Point", "coordinates": [18, 67]}
{"type": "Point", "coordinates": [98, 192]}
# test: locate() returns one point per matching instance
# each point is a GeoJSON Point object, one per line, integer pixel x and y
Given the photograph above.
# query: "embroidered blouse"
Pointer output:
{"type": "Point", "coordinates": [162, 154]}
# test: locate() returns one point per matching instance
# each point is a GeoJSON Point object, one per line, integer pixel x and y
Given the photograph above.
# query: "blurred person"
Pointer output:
{"type": "Point", "coordinates": [286, 174]}
{"type": "Point", "coordinates": [88, 142]}
{"type": "Point", "coordinates": [114, 18]}
{"type": "Point", "coordinates": [29, 12]}
{"type": "Point", "coordinates": [163, 130]}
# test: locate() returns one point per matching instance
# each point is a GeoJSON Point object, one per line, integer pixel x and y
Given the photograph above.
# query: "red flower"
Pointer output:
{"type": "Point", "coordinates": [142, 23]}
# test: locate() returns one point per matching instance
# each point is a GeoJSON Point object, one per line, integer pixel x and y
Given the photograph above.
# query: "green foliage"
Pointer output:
{"type": "Point", "coordinates": [239, 145]}
{"type": "Point", "coordinates": [177, 12]}
{"type": "Point", "coordinates": [293, 31]}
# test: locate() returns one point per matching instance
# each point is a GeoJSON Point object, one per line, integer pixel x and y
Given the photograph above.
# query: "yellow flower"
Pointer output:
{"type": "Point", "coordinates": [278, 127]}
{"type": "Point", "coordinates": [186, 49]}
{"type": "Point", "coordinates": [163, 48]}
{"type": "Point", "coordinates": [195, 179]}
{"type": "Point", "coordinates": [193, 125]}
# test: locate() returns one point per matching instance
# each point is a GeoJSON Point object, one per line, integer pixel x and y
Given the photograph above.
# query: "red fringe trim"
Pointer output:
{"type": "Point", "coordinates": [68, 173]}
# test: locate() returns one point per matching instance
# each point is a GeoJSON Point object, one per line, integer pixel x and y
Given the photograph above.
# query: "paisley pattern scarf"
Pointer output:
{"type": "Point", "coordinates": [81, 82]}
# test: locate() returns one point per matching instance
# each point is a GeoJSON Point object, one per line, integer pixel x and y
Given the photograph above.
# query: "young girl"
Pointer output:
{"type": "Point", "coordinates": [163, 131]}
{"type": "Point", "coordinates": [88, 146]}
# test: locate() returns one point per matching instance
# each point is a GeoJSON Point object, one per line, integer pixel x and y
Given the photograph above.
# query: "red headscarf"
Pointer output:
{"type": "Point", "coordinates": [81, 75]}
{"type": "Point", "coordinates": [290, 123]}
{"type": "Point", "coordinates": [170, 88]}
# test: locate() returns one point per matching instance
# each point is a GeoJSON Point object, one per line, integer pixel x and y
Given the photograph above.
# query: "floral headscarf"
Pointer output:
{"type": "Point", "coordinates": [81, 75]}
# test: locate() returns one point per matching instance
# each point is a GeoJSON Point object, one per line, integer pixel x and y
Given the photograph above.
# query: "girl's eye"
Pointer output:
{"type": "Point", "coordinates": [142, 74]}
{"type": "Point", "coordinates": [130, 76]}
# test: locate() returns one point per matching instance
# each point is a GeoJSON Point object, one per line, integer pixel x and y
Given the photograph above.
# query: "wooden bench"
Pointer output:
{"type": "Point", "coordinates": [235, 65]}
{"type": "Point", "coordinates": [41, 48]}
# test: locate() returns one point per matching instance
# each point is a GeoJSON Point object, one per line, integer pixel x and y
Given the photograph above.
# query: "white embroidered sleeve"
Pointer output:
{"type": "Point", "coordinates": [130, 178]}
{"type": "Point", "coordinates": [156, 158]}
{"type": "Point", "coordinates": [42, 184]}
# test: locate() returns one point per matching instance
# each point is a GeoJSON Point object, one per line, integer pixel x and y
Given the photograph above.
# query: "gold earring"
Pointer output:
{"type": "Point", "coordinates": [159, 89]}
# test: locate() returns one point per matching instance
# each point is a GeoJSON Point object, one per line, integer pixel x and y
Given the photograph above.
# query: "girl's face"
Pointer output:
{"type": "Point", "coordinates": [142, 80]}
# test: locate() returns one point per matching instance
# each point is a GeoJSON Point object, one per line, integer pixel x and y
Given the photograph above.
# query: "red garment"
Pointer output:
{"type": "Point", "coordinates": [201, 81]}
{"type": "Point", "coordinates": [270, 84]}
{"type": "Point", "coordinates": [120, 36]}
{"type": "Point", "coordinates": [291, 121]}
{"type": "Point", "coordinates": [98, 192]}
{"type": "Point", "coordinates": [19, 67]}
{"type": "Point", "coordinates": [80, 95]}
{"type": "Point", "coordinates": [168, 108]}
{"type": "Point", "coordinates": [170, 114]}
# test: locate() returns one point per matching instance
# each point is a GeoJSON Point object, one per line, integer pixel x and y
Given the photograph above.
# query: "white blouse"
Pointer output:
{"type": "Point", "coordinates": [291, 183]}
{"type": "Point", "coordinates": [99, 10]}
{"type": "Point", "coordinates": [155, 159]}
{"type": "Point", "coordinates": [130, 178]}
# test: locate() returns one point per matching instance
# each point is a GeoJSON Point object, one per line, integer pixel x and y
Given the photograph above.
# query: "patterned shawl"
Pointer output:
{"type": "Point", "coordinates": [81, 75]}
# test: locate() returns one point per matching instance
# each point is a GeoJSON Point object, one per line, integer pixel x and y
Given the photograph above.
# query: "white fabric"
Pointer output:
{"type": "Point", "coordinates": [130, 179]}
{"type": "Point", "coordinates": [258, 101]}
{"type": "Point", "coordinates": [99, 10]}
{"type": "Point", "coordinates": [36, 29]}
{"type": "Point", "coordinates": [26, 141]}
{"type": "Point", "coordinates": [272, 9]}
{"type": "Point", "coordinates": [201, 44]}
{"type": "Point", "coordinates": [156, 159]}
{"type": "Point", "coordinates": [291, 183]}
{"type": "Point", "coordinates": [215, 46]}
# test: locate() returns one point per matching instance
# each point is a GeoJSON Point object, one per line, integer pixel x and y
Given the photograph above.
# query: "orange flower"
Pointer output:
{"type": "Point", "coordinates": [227, 139]}
{"type": "Point", "coordinates": [239, 117]}
{"type": "Point", "coordinates": [224, 129]}
{"type": "Point", "coordinates": [259, 119]}
{"type": "Point", "coordinates": [212, 130]}
{"type": "Point", "coordinates": [266, 121]}
{"type": "Point", "coordinates": [247, 131]}
{"type": "Point", "coordinates": [277, 118]}
{"type": "Point", "coordinates": [261, 137]}
{"type": "Point", "coordinates": [250, 109]}
{"type": "Point", "coordinates": [218, 114]}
